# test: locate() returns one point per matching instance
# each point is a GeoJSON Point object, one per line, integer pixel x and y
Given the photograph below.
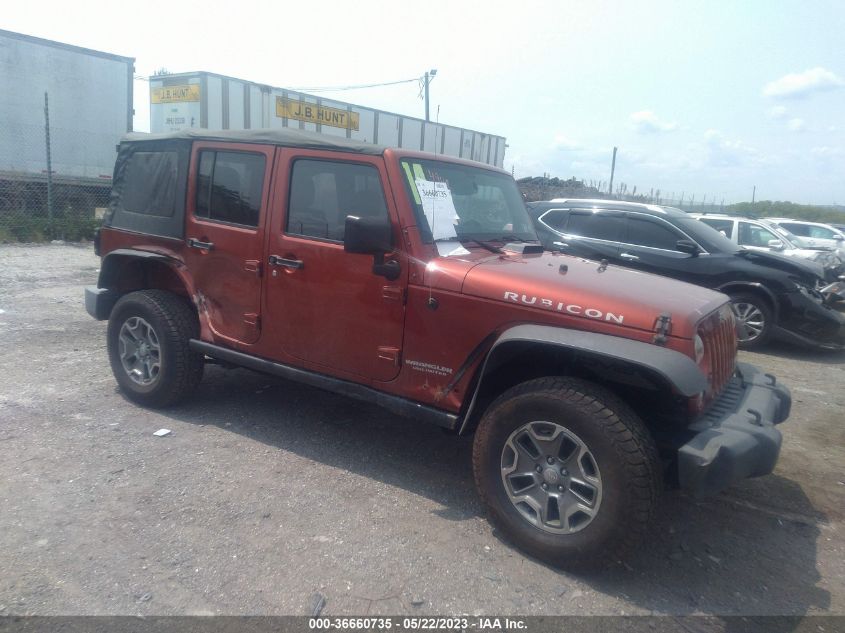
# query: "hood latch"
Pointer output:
{"type": "Point", "coordinates": [662, 327]}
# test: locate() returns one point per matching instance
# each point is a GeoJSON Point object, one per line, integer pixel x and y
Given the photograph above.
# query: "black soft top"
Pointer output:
{"type": "Point", "coordinates": [285, 137]}
{"type": "Point", "coordinates": [150, 182]}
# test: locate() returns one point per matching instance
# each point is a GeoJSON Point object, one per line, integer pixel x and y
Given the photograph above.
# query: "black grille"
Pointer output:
{"type": "Point", "coordinates": [718, 333]}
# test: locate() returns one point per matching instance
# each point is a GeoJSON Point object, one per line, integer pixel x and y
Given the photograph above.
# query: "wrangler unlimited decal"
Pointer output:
{"type": "Point", "coordinates": [562, 306]}
{"type": "Point", "coordinates": [429, 368]}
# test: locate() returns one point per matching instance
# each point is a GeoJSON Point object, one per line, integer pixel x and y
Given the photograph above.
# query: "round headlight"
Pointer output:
{"type": "Point", "coordinates": [699, 348]}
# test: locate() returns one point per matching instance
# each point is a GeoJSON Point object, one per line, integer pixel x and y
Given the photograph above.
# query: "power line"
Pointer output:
{"type": "Point", "coordinates": [324, 88]}
{"type": "Point", "coordinates": [355, 87]}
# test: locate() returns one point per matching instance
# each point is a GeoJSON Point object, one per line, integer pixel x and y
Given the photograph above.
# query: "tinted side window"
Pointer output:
{"type": "Point", "coordinates": [555, 219]}
{"type": "Point", "coordinates": [600, 226]}
{"type": "Point", "coordinates": [150, 183]}
{"type": "Point", "coordinates": [821, 233]}
{"type": "Point", "coordinates": [753, 235]}
{"type": "Point", "coordinates": [323, 193]}
{"type": "Point", "coordinates": [798, 229]}
{"type": "Point", "coordinates": [647, 232]}
{"type": "Point", "coordinates": [723, 226]}
{"type": "Point", "coordinates": [229, 187]}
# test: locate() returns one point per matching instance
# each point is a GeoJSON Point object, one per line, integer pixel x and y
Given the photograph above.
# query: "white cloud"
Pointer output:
{"type": "Point", "coordinates": [796, 125]}
{"type": "Point", "coordinates": [562, 142]}
{"type": "Point", "coordinates": [647, 122]}
{"type": "Point", "coordinates": [778, 112]}
{"type": "Point", "coordinates": [828, 161]}
{"type": "Point", "coordinates": [725, 152]}
{"type": "Point", "coordinates": [803, 84]}
{"type": "Point", "coordinates": [826, 152]}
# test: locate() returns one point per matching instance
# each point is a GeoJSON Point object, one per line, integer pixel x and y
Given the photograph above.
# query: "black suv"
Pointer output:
{"type": "Point", "coordinates": [772, 295]}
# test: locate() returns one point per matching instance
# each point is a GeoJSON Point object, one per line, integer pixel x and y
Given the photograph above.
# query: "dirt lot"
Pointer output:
{"type": "Point", "coordinates": [268, 493]}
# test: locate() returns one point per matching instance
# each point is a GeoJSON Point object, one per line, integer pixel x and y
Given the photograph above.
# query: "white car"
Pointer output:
{"type": "Point", "coordinates": [814, 234]}
{"type": "Point", "coordinates": [763, 235]}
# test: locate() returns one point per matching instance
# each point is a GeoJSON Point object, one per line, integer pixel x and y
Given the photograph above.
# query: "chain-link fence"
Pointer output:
{"type": "Point", "coordinates": [546, 188]}
{"type": "Point", "coordinates": [690, 205]}
{"type": "Point", "coordinates": [54, 183]}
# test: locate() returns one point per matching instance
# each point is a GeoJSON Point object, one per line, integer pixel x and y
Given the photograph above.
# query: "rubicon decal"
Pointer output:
{"type": "Point", "coordinates": [563, 306]}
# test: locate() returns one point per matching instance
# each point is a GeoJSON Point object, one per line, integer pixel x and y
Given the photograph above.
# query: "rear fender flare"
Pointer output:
{"type": "Point", "coordinates": [115, 261]}
{"type": "Point", "coordinates": [675, 368]}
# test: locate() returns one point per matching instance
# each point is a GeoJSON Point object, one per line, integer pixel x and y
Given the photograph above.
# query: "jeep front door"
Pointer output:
{"type": "Point", "coordinates": [224, 230]}
{"type": "Point", "coordinates": [328, 309]}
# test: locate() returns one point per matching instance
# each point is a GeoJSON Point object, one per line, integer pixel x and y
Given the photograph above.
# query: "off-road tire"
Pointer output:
{"type": "Point", "coordinates": [624, 451]}
{"type": "Point", "coordinates": [174, 323]}
{"type": "Point", "coordinates": [752, 299]}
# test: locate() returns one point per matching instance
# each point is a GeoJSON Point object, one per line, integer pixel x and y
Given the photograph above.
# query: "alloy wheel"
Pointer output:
{"type": "Point", "coordinates": [140, 352]}
{"type": "Point", "coordinates": [551, 477]}
{"type": "Point", "coordinates": [750, 321]}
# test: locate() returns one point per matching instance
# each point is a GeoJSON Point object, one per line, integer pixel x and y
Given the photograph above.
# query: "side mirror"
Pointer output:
{"type": "Point", "coordinates": [776, 244]}
{"type": "Point", "coordinates": [372, 236]}
{"type": "Point", "coordinates": [368, 236]}
{"type": "Point", "coordinates": [688, 246]}
{"type": "Point", "coordinates": [838, 238]}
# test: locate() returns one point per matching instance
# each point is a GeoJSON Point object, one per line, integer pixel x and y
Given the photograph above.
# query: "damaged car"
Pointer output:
{"type": "Point", "coordinates": [773, 296]}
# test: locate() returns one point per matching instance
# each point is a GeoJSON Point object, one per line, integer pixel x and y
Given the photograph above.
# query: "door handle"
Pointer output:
{"type": "Point", "coordinates": [629, 257]}
{"type": "Point", "coordinates": [195, 243]}
{"type": "Point", "coordinates": [296, 264]}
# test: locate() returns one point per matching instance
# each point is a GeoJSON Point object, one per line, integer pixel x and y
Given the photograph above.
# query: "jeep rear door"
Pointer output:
{"type": "Point", "coordinates": [328, 310]}
{"type": "Point", "coordinates": [227, 203]}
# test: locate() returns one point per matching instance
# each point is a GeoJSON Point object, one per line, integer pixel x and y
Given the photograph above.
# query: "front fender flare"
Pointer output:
{"type": "Point", "coordinates": [677, 369]}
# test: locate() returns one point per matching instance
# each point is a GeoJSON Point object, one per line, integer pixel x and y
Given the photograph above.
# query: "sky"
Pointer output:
{"type": "Point", "coordinates": [707, 98]}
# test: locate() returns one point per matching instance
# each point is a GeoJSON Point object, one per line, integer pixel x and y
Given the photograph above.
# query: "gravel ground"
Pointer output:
{"type": "Point", "coordinates": [268, 493]}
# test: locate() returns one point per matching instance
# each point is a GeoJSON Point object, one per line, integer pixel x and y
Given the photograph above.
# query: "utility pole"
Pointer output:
{"type": "Point", "coordinates": [429, 75]}
{"type": "Point", "coordinates": [753, 194]}
{"type": "Point", "coordinates": [49, 160]}
{"type": "Point", "coordinates": [612, 170]}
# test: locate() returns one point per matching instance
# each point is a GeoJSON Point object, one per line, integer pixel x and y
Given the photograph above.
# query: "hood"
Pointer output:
{"type": "Point", "coordinates": [803, 269]}
{"type": "Point", "coordinates": [582, 288]}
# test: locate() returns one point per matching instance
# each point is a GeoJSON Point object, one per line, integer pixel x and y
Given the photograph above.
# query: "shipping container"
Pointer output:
{"type": "Point", "coordinates": [212, 101]}
{"type": "Point", "coordinates": [89, 104]}
{"type": "Point", "coordinates": [90, 107]}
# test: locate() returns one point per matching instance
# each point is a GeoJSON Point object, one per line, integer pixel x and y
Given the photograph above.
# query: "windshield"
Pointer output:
{"type": "Point", "coordinates": [465, 203]}
{"type": "Point", "coordinates": [706, 236]}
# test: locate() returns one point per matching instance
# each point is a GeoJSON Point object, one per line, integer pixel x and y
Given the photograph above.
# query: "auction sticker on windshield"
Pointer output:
{"type": "Point", "coordinates": [439, 208]}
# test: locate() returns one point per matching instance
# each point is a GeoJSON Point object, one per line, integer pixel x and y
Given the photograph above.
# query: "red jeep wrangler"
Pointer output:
{"type": "Point", "coordinates": [417, 282]}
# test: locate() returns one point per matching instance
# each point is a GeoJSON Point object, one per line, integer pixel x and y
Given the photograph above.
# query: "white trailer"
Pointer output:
{"type": "Point", "coordinates": [212, 101]}
{"type": "Point", "coordinates": [90, 108]}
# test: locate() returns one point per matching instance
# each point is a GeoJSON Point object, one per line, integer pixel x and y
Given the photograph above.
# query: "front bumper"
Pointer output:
{"type": "Point", "coordinates": [834, 295]}
{"type": "Point", "coordinates": [811, 321]}
{"type": "Point", "coordinates": [736, 437]}
{"type": "Point", "coordinates": [99, 302]}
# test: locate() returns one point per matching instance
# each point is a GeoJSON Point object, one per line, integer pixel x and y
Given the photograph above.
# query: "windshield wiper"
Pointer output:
{"type": "Point", "coordinates": [514, 238]}
{"type": "Point", "coordinates": [490, 247]}
{"type": "Point", "coordinates": [460, 238]}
